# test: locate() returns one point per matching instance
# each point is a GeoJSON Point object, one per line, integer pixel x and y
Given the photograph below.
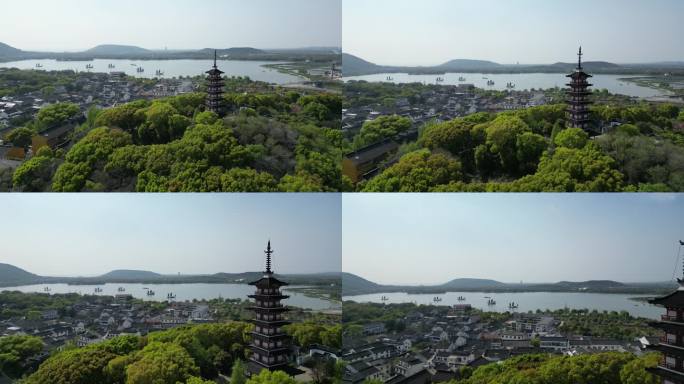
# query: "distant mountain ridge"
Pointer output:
{"type": "Point", "coordinates": [14, 276]}
{"type": "Point", "coordinates": [119, 51]}
{"type": "Point", "coordinates": [114, 49]}
{"type": "Point", "coordinates": [357, 285]}
{"type": "Point", "coordinates": [129, 274]}
{"type": "Point", "coordinates": [6, 50]}
{"type": "Point", "coordinates": [466, 64]}
{"type": "Point", "coordinates": [356, 66]}
{"type": "Point", "coordinates": [11, 274]}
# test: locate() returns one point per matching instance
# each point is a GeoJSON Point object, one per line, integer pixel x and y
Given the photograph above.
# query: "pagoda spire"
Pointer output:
{"type": "Point", "coordinates": [217, 67]}
{"type": "Point", "coordinates": [268, 253]}
{"type": "Point", "coordinates": [579, 58]}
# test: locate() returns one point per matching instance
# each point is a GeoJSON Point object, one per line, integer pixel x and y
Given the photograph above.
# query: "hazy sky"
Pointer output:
{"type": "Point", "coordinates": [91, 234]}
{"type": "Point", "coordinates": [66, 25]}
{"type": "Point", "coordinates": [433, 238]}
{"type": "Point", "coordinates": [430, 32]}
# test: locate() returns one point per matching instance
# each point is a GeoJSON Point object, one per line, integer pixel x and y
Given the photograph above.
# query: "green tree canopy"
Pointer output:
{"type": "Point", "coordinates": [381, 128]}
{"type": "Point", "coordinates": [417, 171]}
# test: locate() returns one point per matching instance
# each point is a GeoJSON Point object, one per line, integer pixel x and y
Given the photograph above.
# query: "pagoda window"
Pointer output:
{"type": "Point", "coordinates": [670, 362]}
{"type": "Point", "coordinates": [672, 314]}
{"type": "Point", "coordinates": [671, 339]}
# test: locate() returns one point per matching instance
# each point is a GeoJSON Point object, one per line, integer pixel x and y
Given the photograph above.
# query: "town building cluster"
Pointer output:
{"type": "Point", "coordinates": [434, 347]}
{"type": "Point", "coordinates": [92, 320]}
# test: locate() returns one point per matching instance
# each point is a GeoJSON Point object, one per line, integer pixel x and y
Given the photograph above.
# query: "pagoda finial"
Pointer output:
{"type": "Point", "coordinates": [579, 58]}
{"type": "Point", "coordinates": [268, 253]}
{"type": "Point", "coordinates": [214, 58]}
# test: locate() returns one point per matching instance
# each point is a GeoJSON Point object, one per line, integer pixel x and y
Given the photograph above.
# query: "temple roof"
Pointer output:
{"type": "Point", "coordinates": [268, 281]}
{"type": "Point", "coordinates": [673, 300]}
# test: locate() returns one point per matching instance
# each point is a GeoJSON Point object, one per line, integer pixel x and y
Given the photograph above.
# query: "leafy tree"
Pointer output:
{"type": "Point", "coordinates": [35, 175]}
{"type": "Point", "coordinates": [381, 128]}
{"type": "Point", "coordinates": [571, 138]}
{"type": "Point", "coordinates": [238, 374]}
{"type": "Point", "coordinates": [20, 137]}
{"type": "Point", "coordinates": [56, 114]}
{"type": "Point", "coordinates": [502, 138]}
{"type": "Point", "coordinates": [530, 147]}
{"type": "Point", "coordinates": [85, 156]}
{"type": "Point", "coordinates": [76, 366]}
{"type": "Point", "coordinates": [268, 377]}
{"type": "Point", "coordinates": [161, 363]}
{"type": "Point", "coordinates": [301, 182]}
{"type": "Point", "coordinates": [416, 172]}
{"type": "Point", "coordinates": [635, 372]}
{"type": "Point", "coordinates": [14, 350]}
{"type": "Point", "coordinates": [572, 170]}
{"type": "Point", "coordinates": [126, 116]}
{"type": "Point", "coordinates": [247, 180]}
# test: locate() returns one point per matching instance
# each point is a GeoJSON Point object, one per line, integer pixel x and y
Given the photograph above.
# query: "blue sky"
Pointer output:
{"type": "Point", "coordinates": [66, 25]}
{"type": "Point", "coordinates": [433, 238]}
{"type": "Point", "coordinates": [430, 32]}
{"type": "Point", "coordinates": [90, 234]}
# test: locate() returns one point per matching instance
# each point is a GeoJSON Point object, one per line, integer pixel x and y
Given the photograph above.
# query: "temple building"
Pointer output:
{"type": "Point", "coordinates": [671, 345]}
{"type": "Point", "coordinates": [270, 347]}
{"type": "Point", "coordinates": [215, 85]}
{"type": "Point", "coordinates": [578, 97]}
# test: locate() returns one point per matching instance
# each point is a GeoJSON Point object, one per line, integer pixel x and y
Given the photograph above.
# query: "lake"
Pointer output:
{"type": "Point", "coordinates": [522, 81]}
{"type": "Point", "coordinates": [527, 301]}
{"type": "Point", "coordinates": [171, 68]}
{"type": "Point", "coordinates": [182, 291]}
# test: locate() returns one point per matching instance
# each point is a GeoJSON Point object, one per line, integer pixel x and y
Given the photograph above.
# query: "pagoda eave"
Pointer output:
{"type": "Point", "coordinates": [272, 351]}
{"type": "Point", "coordinates": [270, 322]}
{"type": "Point", "coordinates": [666, 373]}
{"type": "Point", "coordinates": [268, 309]}
{"type": "Point", "coordinates": [275, 297]}
{"type": "Point", "coordinates": [667, 349]}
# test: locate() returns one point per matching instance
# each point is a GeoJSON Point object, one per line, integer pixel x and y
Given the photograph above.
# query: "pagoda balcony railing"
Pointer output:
{"type": "Point", "coordinates": [268, 331]}
{"type": "Point", "coordinates": [267, 345]}
{"type": "Point", "coordinates": [261, 317]}
{"type": "Point", "coordinates": [269, 359]}
{"type": "Point", "coordinates": [671, 318]}
{"type": "Point", "coordinates": [268, 291]}
{"type": "Point", "coordinates": [669, 341]}
{"type": "Point", "coordinates": [666, 364]}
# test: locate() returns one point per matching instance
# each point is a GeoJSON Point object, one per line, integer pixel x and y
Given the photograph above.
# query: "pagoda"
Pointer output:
{"type": "Point", "coordinates": [215, 89]}
{"type": "Point", "coordinates": [671, 345]}
{"type": "Point", "coordinates": [578, 97]}
{"type": "Point", "coordinates": [270, 345]}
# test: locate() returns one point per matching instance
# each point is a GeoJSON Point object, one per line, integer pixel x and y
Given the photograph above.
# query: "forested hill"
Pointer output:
{"type": "Point", "coordinates": [9, 275]}
{"type": "Point", "coordinates": [13, 276]}
{"type": "Point", "coordinates": [356, 66]}
{"type": "Point", "coordinates": [117, 51]}
{"type": "Point", "coordinates": [356, 285]}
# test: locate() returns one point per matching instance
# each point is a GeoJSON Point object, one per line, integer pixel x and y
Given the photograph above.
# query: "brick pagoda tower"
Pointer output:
{"type": "Point", "coordinates": [215, 85]}
{"type": "Point", "coordinates": [270, 345]}
{"type": "Point", "coordinates": [671, 367]}
{"type": "Point", "coordinates": [578, 97]}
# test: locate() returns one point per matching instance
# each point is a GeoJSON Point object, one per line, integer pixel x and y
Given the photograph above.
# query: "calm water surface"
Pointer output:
{"type": "Point", "coordinates": [182, 291]}
{"type": "Point", "coordinates": [171, 68]}
{"type": "Point", "coordinates": [527, 301]}
{"type": "Point", "coordinates": [522, 81]}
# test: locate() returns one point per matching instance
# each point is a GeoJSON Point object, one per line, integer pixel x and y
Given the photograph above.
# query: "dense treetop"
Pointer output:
{"type": "Point", "coordinates": [531, 150]}
{"type": "Point", "coordinates": [272, 140]}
